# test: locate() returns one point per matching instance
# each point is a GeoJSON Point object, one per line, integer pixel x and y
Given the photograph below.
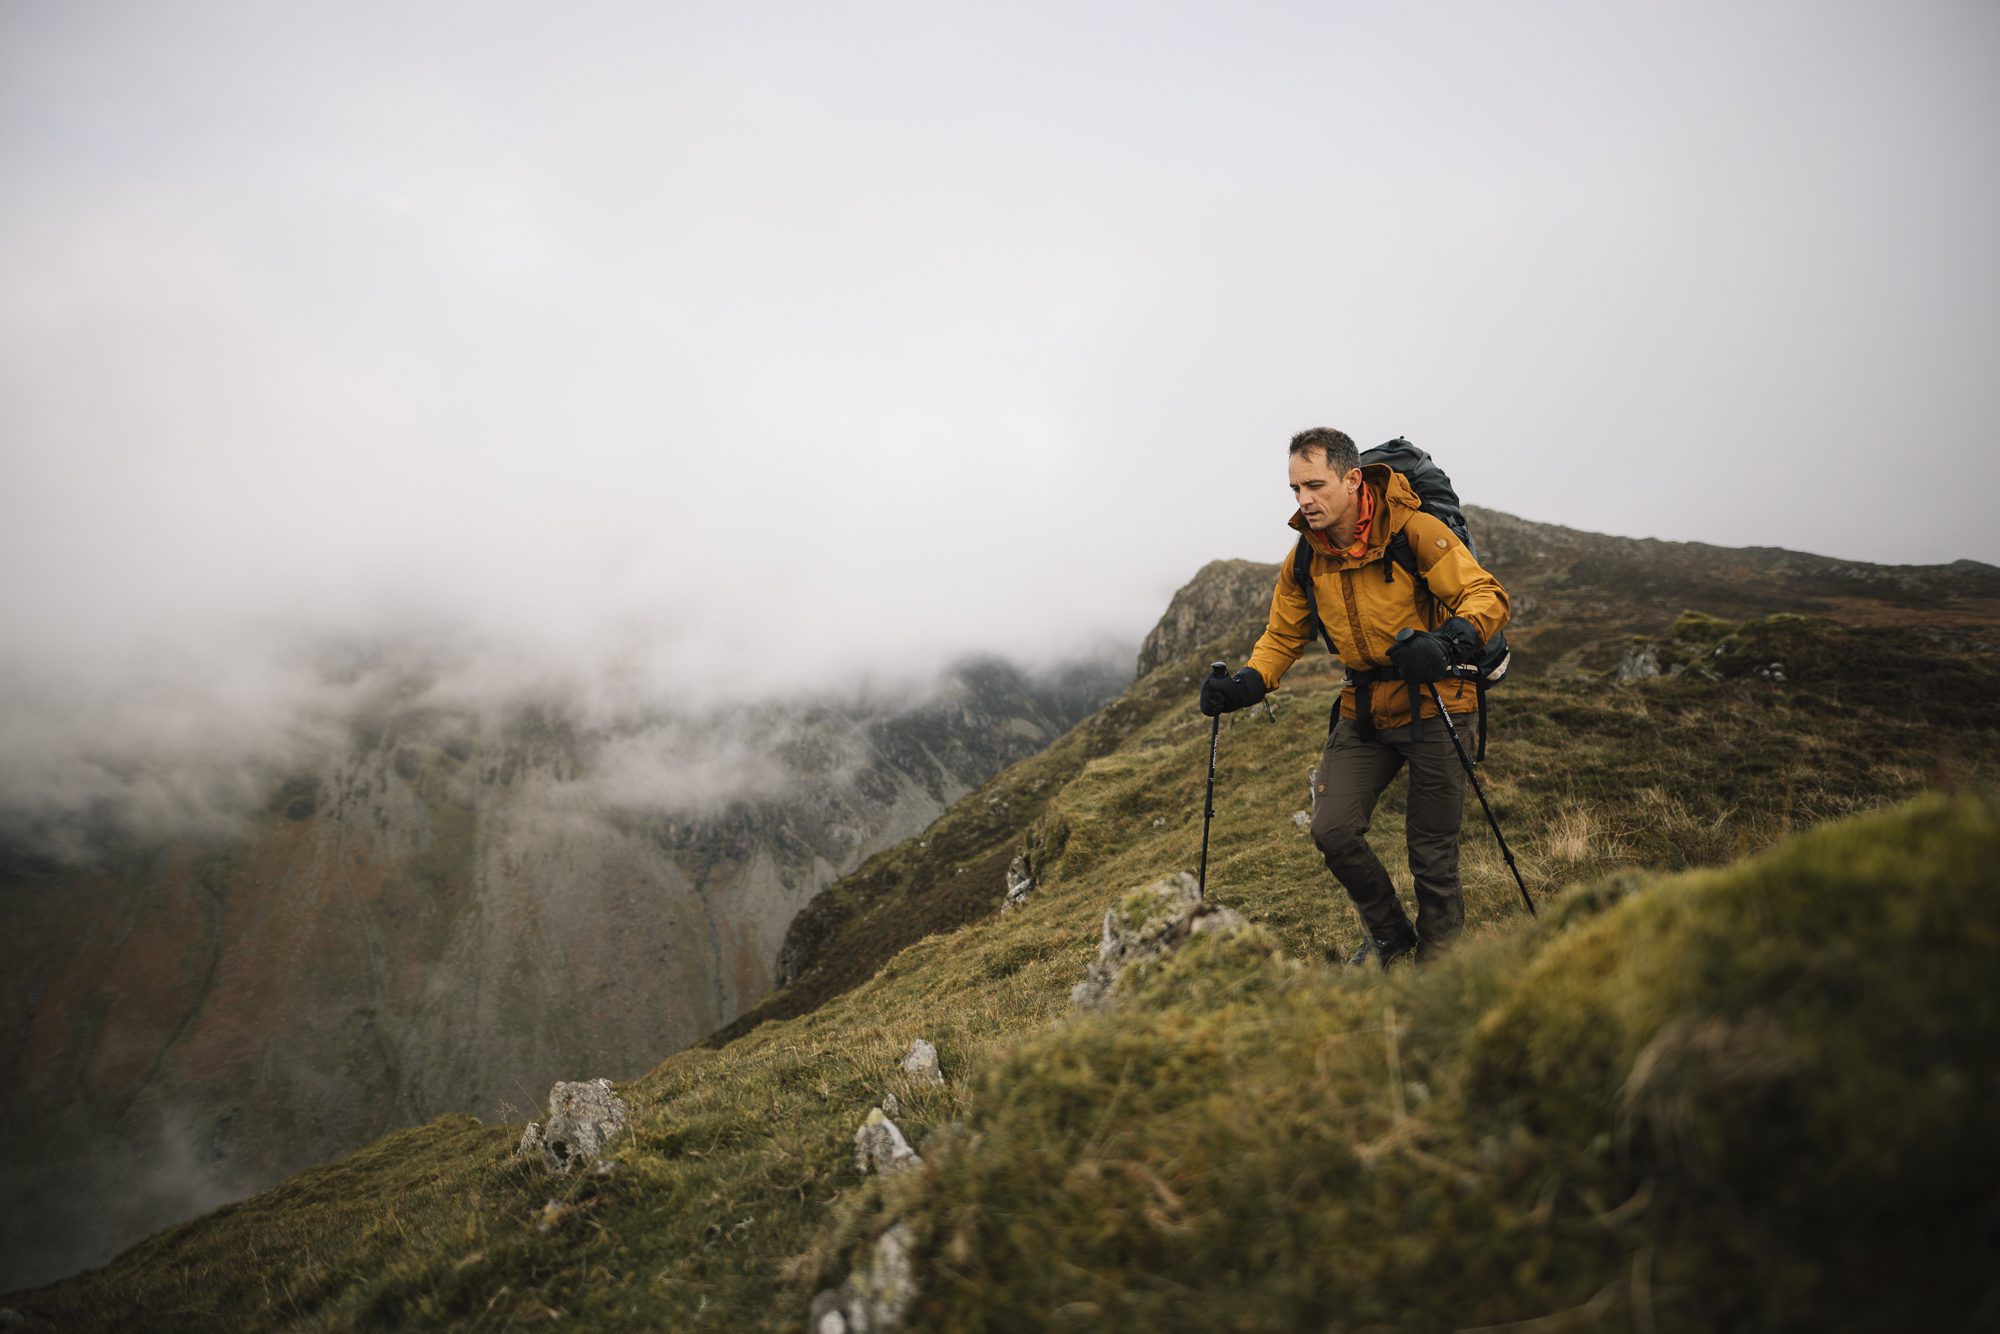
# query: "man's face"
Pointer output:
{"type": "Point", "coordinates": [1325, 497]}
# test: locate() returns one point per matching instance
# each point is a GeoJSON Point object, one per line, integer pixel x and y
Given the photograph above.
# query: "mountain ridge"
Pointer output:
{"type": "Point", "coordinates": [1571, 587]}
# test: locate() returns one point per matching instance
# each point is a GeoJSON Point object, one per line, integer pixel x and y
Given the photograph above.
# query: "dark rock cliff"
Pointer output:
{"type": "Point", "coordinates": [447, 913]}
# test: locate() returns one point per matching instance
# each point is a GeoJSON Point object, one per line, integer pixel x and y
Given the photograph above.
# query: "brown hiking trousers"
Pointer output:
{"type": "Point", "coordinates": [1352, 775]}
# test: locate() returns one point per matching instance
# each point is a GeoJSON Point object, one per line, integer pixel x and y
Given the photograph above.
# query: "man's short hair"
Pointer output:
{"type": "Point", "coordinates": [1341, 456]}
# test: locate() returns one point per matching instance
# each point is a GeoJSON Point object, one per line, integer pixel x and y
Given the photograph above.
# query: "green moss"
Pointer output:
{"type": "Point", "coordinates": [1210, 968]}
{"type": "Point", "coordinates": [1733, 1050]}
{"type": "Point", "coordinates": [1150, 906]}
{"type": "Point", "coordinates": [1699, 628]}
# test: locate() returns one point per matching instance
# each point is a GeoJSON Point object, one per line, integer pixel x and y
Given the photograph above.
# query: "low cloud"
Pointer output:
{"type": "Point", "coordinates": [680, 360]}
{"type": "Point", "coordinates": [192, 743]}
{"type": "Point", "coordinates": [699, 766]}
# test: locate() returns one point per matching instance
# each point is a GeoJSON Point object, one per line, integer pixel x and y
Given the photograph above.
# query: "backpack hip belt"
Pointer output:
{"type": "Point", "coordinates": [1364, 725]}
{"type": "Point", "coordinates": [1364, 680]}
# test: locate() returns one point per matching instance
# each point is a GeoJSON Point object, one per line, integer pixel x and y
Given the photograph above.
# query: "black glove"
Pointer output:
{"type": "Point", "coordinates": [1223, 694]}
{"type": "Point", "coordinates": [1462, 638]}
{"type": "Point", "coordinates": [1421, 656]}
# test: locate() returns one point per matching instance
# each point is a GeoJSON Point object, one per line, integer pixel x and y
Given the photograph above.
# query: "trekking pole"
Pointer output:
{"type": "Point", "coordinates": [1466, 760]}
{"type": "Point", "coordinates": [1208, 803]}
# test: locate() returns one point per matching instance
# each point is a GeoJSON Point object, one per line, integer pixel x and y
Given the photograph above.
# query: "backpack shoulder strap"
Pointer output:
{"type": "Point", "coordinates": [1302, 576]}
{"type": "Point", "coordinates": [1401, 554]}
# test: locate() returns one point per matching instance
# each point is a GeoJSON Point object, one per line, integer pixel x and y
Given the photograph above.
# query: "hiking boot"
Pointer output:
{"type": "Point", "coordinates": [1387, 950]}
{"type": "Point", "coordinates": [1399, 947]}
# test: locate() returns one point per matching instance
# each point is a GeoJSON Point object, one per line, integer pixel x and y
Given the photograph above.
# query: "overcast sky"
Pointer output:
{"type": "Point", "coordinates": [739, 342]}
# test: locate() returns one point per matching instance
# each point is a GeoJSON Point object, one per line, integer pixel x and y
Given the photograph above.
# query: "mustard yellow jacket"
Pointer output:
{"type": "Point", "coordinates": [1363, 612]}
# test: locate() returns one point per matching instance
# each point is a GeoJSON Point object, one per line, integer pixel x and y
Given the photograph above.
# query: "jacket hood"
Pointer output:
{"type": "Point", "coordinates": [1395, 501]}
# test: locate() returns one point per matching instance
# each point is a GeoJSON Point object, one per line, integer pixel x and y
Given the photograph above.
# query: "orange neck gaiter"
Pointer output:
{"type": "Point", "coordinates": [1367, 502]}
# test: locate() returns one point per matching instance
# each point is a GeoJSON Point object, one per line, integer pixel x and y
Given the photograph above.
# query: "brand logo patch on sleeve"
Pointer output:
{"type": "Point", "coordinates": [1441, 542]}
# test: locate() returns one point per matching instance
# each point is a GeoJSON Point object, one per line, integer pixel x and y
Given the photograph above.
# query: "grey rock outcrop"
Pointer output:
{"type": "Point", "coordinates": [922, 1063]}
{"type": "Point", "coordinates": [1640, 662]}
{"type": "Point", "coordinates": [1147, 924]}
{"type": "Point", "coordinates": [583, 1117]}
{"type": "Point", "coordinates": [1020, 882]}
{"type": "Point", "coordinates": [880, 1147]}
{"type": "Point", "coordinates": [1222, 595]}
{"type": "Point", "coordinates": [876, 1296]}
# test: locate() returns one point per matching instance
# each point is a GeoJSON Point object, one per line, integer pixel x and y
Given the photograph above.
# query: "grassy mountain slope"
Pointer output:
{"type": "Point", "coordinates": [1702, 1097]}
{"type": "Point", "coordinates": [1753, 1097]}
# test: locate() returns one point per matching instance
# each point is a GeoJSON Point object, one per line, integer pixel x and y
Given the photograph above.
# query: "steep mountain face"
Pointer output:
{"type": "Point", "coordinates": [449, 912]}
{"type": "Point", "coordinates": [1575, 592]}
{"type": "Point", "coordinates": [1221, 593]}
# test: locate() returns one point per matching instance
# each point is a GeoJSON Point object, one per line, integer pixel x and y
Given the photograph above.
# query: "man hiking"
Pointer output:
{"type": "Point", "coordinates": [1350, 514]}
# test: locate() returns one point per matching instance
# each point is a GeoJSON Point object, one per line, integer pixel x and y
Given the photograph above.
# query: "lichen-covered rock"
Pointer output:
{"type": "Point", "coordinates": [876, 1296]}
{"type": "Point", "coordinates": [1217, 921]}
{"type": "Point", "coordinates": [828, 1315]}
{"type": "Point", "coordinates": [1302, 819]}
{"type": "Point", "coordinates": [531, 1141]}
{"type": "Point", "coordinates": [1640, 662]}
{"type": "Point", "coordinates": [922, 1063]}
{"type": "Point", "coordinates": [880, 1147]}
{"type": "Point", "coordinates": [1146, 925]}
{"type": "Point", "coordinates": [1020, 882]}
{"type": "Point", "coordinates": [583, 1117]}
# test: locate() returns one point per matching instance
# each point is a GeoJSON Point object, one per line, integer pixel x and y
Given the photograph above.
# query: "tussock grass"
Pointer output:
{"type": "Point", "coordinates": [1577, 1116]}
{"type": "Point", "coordinates": [1749, 1097]}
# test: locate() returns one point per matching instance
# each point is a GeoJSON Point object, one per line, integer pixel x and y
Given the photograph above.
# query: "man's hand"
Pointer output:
{"type": "Point", "coordinates": [1423, 656]}
{"type": "Point", "coordinates": [1462, 640]}
{"type": "Point", "coordinates": [1420, 656]}
{"type": "Point", "coordinates": [1223, 694]}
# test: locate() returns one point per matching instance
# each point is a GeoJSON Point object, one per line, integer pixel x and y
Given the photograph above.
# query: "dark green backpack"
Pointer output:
{"type": "Point", "coordinates": [1434, 491]}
